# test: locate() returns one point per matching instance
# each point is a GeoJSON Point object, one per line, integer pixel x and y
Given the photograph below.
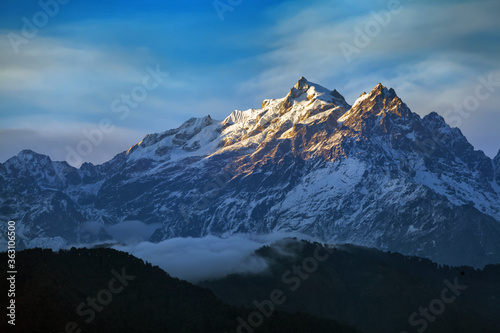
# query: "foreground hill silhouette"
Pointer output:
{"type": "Point", "coordinates": [375, 292]}
{"type": "Point", "coordinates": [129, 296]}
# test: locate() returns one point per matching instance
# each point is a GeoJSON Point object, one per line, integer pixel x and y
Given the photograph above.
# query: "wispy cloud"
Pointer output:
{"type": "Point", "coordinates": [197, 259]}
{"type": "Point", "coordinates": [62, 77]}
{"type": "Point", "coordinates": [52, 139]}
{"type": "Point", "coordinates": [431, 53]}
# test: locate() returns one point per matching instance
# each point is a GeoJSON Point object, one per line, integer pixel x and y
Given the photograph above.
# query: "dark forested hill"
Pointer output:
{"type": "Point", "coordinates": [103, 290]}
{"type": "Point", "coordinates": [373, 291]}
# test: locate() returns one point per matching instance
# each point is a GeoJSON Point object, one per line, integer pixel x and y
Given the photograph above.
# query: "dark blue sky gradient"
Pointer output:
{"type": "Point", "coordinates": [91, 52]}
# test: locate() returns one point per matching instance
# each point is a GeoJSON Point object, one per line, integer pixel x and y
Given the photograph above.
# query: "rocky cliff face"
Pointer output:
{"type": "Point", "coordinates": [496, 166]}
{"type": "Point", "coordinates": [373, 174]}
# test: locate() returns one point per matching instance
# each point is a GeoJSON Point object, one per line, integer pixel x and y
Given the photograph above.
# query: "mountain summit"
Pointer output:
{"type": "Point", "coordinates": [379, 102]}
{"type": "Point", "coordinates": [373, 174]}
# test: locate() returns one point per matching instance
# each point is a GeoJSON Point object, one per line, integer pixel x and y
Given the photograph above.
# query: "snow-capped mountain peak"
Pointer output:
{"type": "Point", "coordinates": [189, 137]}
{"type": "Point", "coordinates": [305, 103]}
{"type": "Point", "coordinates": [278, 119]}
{"type": "Point", "coordinates": [379, 102]}
{"type": "Point", "coordinates": [312, 91]}
{"type": "Point", "coordinates": [373, 174]}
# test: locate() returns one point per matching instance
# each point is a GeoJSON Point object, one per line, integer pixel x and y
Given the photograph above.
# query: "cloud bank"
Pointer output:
{"type": "Point", "coordinates": [197, 259]}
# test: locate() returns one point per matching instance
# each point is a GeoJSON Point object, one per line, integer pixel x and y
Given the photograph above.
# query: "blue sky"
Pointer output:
{"type": "Point", "coordinates": [64, 78]}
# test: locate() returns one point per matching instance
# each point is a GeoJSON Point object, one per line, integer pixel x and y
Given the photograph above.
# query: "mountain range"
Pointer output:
{"type": "Point", "coordinates": [373, 173]}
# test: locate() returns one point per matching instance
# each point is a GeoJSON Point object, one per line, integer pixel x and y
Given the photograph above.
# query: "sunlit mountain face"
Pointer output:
{"type": "Point", "coordinates": [372, 173]}
{"type": "Point", "coordinates": [281, 188]}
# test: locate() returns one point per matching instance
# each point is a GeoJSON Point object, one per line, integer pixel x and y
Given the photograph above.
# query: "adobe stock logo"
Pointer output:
{"type": "Point", "coordinates": [363, 36]}
{"type": "Point", "coordinates": [120, 106]}
{"type": "Point", "coordinates": [470, 103]}
{"type": "Point", "coordinates": [460, 111]}
{"type": "Point", "coordinates": [221, 7]}
{"type": "Point", "coordinates": [49, 9]}
{"type": "Point", "coordinates": [103, 298]}
{"type": "Point", "coordinates": [425, 315]}
{"type": "Point", "coordinates": [293, 278]}
{"type": "Point", "coordinates": [202, 199]}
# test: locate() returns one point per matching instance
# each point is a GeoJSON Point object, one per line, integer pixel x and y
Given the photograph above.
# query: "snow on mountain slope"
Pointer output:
{"type": "Point", "coordinates": [496, 167]}
{"type": "Point", "coordinates": [373, 174]}
{"type": "Point", "coordinates": [304, 104]}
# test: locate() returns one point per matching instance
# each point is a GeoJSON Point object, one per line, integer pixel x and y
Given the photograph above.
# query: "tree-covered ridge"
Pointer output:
{"type": "Point", "coordinates": [371, 290]}
{"type": "Point", "coordinates": [52, 287]}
